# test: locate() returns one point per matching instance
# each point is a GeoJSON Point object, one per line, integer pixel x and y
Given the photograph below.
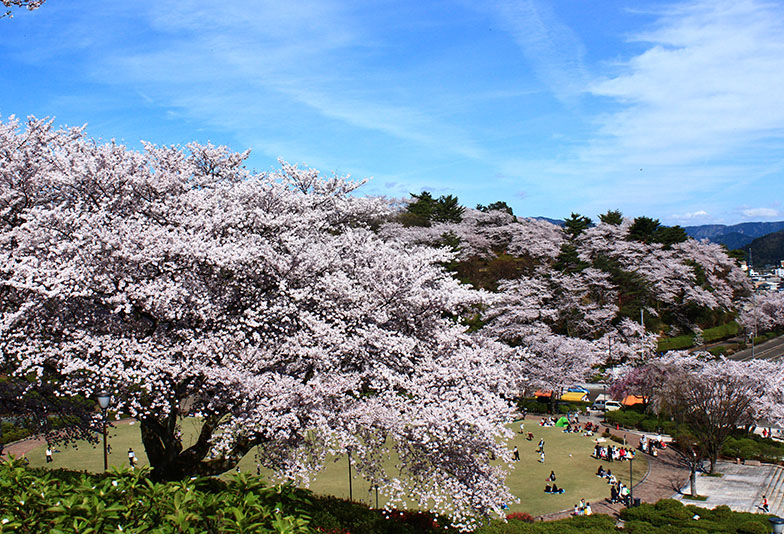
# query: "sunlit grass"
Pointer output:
{"type": "Point", "coordinates": [566, 454]}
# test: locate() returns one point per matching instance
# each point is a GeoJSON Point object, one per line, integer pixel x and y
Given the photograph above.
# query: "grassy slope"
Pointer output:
{"type": "Point", "coordinates": [567, 454]}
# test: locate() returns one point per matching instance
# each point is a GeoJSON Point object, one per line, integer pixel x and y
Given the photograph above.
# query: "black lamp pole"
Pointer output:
{"type": "Point", "coordinates": [350, 492]}
{"type": "Point", "coordinates": [631, 484]}
{"type": "Point", "coordinates": [103, 402]}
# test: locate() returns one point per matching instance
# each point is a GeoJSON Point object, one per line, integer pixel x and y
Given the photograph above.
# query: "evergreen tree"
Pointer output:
{"type": "Point", "coordinates": [644, 229]}
{"type": "Point", "coordinates": [614, 217]}
{"type": "Point", "coordinates": [495, 206]}
{"type": "Point", "coordinates": [576, 224]}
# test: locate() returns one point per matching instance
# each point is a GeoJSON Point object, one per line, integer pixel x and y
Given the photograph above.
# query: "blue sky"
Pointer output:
{"type": "Point", "coordinates": [672, 110]}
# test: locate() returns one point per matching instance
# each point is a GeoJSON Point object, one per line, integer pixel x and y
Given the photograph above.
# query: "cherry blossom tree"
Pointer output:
{"type": "Point", "coordinates": [30, 5]}
{"type": "Point", "coordinates": [765, 311]}
{"type": "Point", "coordinates": [260, 304]}
{"type": "Point", "coordinates": [713, 397]}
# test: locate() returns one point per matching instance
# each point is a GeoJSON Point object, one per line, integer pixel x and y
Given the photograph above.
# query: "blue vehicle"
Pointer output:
{"type": "Point", "coordinates": [578, 389]}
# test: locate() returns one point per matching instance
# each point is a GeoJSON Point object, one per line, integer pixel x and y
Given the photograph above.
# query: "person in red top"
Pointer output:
{"type": "Point", "coordinates": [765, 508]}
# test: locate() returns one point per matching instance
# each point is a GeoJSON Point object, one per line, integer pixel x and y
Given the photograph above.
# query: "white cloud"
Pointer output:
{"type": "Point", "coordinates": [760, 212]}
{"type": "Point", "coordinates": [699, 214]}
{"type": "Point", "coordinates": [708, 84]}
{"type": "Point", "coordinates": [553, 49]}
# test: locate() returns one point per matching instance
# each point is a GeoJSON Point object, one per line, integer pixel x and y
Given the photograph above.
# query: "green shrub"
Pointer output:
{"type": "Point", "coordinates": [752, 527]}
{"type": "Point", "coordinates": [65, 502]}
{"type": "Point", "coordinates": [13, 433]}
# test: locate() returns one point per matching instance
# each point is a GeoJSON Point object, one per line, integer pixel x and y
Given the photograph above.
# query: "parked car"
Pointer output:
{"type": "Point", "coordinates": [606, 405]}
{"type": "Point", "coordinates": [580, 389]}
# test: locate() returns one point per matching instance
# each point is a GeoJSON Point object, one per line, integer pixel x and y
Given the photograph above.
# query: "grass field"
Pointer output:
{"type": "Point", "coordinates": [566, 454]}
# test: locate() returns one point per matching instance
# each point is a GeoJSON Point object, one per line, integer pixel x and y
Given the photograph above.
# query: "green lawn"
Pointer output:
{"type": "Point", "coordinates": [566, 454]}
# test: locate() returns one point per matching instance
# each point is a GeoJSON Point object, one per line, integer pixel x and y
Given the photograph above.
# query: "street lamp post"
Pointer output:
{"type": "Point", "coordinates": [350, 492]}
{"type": "Point", "coordinates": [103, 401]}
{"type": "Point", "coordinates": [631, 484]}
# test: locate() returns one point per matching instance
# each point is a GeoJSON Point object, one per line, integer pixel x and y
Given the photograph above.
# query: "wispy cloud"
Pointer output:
{"type": "Point", "coordinates": [760, 212]}
{"type": "Point", "coordinates": [708, 84]}
{"type": "Point", "coordinates": [554, 51]}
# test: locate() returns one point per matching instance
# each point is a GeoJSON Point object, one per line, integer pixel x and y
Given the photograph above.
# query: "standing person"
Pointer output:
{"type": "Point", "coordinates": [522, 428]}
{"type": "Point", "coordinates": [131, 458]}
{"type": "Point", "coordinates": [515, 454]}
{"type": "Point", "coordinates": [541, 456]}
{"type": "Point", "coordinates": [49, 458]}
{"type": "Point", "coordinates": [541, 445]}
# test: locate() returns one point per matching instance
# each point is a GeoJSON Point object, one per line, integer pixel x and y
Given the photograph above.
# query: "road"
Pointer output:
{"type": "Point", "coordinates": [770, 350]}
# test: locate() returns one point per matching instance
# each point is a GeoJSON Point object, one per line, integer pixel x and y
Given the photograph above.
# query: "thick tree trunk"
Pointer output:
{"type": "Point", "coordinates": [693, 479]}
{"type": "Point", "coordinates": [169, 461]}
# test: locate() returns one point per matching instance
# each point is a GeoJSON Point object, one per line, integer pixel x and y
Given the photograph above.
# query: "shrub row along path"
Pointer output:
{"type": "Point", "coordinates": [666, 476]}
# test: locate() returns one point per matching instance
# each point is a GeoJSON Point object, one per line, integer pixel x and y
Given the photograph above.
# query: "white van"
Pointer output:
{"type": "Point", "coordinates": [605, 404]}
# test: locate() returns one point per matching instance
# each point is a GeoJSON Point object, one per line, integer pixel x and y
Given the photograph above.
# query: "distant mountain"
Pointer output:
{"type": "Point", "coordinates": [768, 249]}
{"type": "Point", "coordinates": [733, 240]}
{"type": "Point", "coordinates": [736, 235]}
{"type": "Point", "coordinates": [557, 222]}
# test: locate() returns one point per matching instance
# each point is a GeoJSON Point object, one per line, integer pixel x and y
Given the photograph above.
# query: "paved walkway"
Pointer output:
{"type": "Point", "coordinates": [741, 488]}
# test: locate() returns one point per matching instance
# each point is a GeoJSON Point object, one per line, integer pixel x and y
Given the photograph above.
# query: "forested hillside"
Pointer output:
{"type": "Point", "coordinates": [580, 286]}
{"type": "Point", "coordinates": [768, 249]}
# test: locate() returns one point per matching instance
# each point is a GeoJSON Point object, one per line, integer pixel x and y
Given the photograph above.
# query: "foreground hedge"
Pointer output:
{"type": "Point", "coordinates": [60, 502]}
{"type": "Point", "coordinates": [665, 517]}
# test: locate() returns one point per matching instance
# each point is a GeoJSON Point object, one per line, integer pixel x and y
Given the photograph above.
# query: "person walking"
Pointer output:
{"type": "Point", "coordinates": [49, 458]}
{"type": "Point", "coordinates": [515, 454]}
{"type": "Point", "coordinates": [541, 456]}
{"type": "Point", "coordinates": [131, 458]}
{"type": "Point", "coordinates": [765, 507]}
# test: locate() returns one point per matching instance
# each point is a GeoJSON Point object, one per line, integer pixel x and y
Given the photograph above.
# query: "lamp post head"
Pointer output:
{"type": "Point", "coordinates": [103, 400]}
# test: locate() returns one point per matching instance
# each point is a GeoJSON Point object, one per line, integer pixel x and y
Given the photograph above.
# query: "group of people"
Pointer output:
{"type": "Point", "coordinates": [611, 453]}
{"type": "Point", "coordinates": [582, 508]}
{"type": "Point", "coordinates": [587, 429]}
{"type": "Point", "coordinates": [651, 446]}
{"type": "Point", "coordinates": [554, 487]}
{"type": "Point", "coordinates": [547, 421]}
{"type": "Point", "coordinates": [619, 492]}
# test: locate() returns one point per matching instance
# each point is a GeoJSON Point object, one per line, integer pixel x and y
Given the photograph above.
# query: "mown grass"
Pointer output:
{"type": "Point", "coordinates": [566, 454]}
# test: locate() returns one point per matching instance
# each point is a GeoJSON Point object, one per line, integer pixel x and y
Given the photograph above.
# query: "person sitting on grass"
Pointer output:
{"type": "Point", "coordinates": [551, 478]}
{"type": "Point", "coordinates": [600, 472]}
{"type": "Point", "coordinates": [547, 488]}
{"type": "Point", "coordinates": [556, 489]}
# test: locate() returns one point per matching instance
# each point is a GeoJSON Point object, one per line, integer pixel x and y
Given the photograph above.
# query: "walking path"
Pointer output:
{"type": "Point", "coordinates": [22, 447]}
{"type": "Point", "coordinates": [741, 487]}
